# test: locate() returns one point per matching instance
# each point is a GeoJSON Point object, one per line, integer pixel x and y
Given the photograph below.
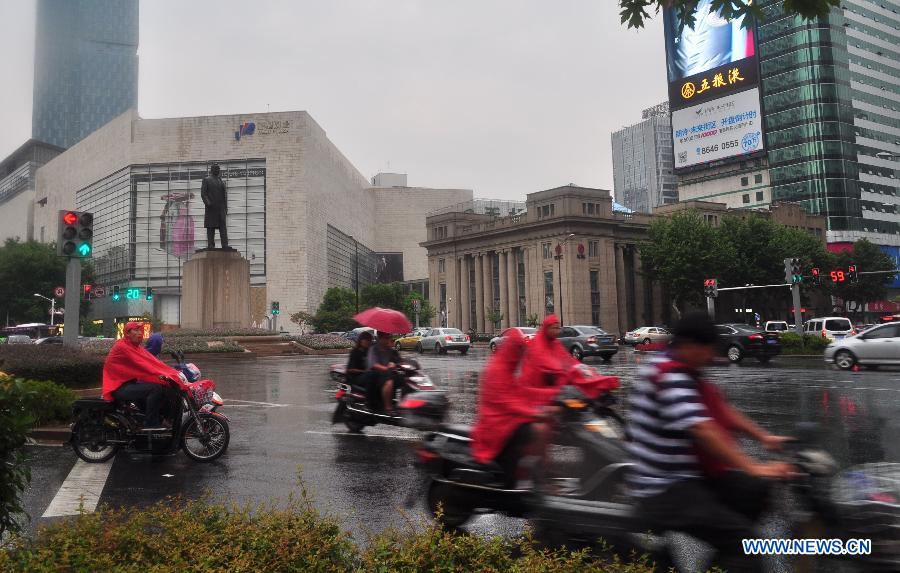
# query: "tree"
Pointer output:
{"type": "Point", "coordinates": [867, 257]}
{"type": "Point", "coordinates": [395, 296]}
{"type": "Point", "coordinates": [27, 268]}
{"type": "Point", "coordinates": [493, 316]}
{"type": "Point", "coordinates": [680, 252]}
{"type": "Point", "coordinates": [635, 13]}
{"type": "Point", "coordinates": [334, 314]}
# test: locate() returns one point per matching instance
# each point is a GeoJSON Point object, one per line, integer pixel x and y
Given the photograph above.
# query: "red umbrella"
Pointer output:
{"type": "Point", "coordinates": [384, 320]}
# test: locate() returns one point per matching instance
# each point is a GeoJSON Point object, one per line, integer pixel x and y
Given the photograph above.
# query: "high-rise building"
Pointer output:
{"type": "Point", "coordinates": [830, 98]}
{"type": "Point", "coordinates": [86, 67]}
{"type": "Point", "coordinates": [643, 162]}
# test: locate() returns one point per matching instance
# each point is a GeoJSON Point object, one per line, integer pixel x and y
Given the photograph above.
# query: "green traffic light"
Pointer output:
{"type": "Point", "coordinates": [84, 249]}
{"type": "Point", "coordinates": [116, 297]}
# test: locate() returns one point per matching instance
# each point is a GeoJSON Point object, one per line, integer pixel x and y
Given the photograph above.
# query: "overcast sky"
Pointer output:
{"type": "Point", "coordinates": [506, 97]}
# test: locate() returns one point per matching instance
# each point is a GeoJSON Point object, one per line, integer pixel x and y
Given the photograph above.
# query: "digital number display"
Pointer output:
{"type": "Point", "coordinates": [838, 276]}
{"type": "Point", "coordinates": [132, 294]}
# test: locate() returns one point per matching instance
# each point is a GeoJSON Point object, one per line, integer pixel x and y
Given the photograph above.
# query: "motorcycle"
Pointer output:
{"type": "Point", "coordinates": [353, 407]}
{"type": "Point", "coordinates": [462, 487]}
{"type": "Point", "coordinates": [101, 428]}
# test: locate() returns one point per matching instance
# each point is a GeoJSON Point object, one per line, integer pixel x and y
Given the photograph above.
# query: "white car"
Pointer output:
{"type": "Point", "coordinates": [440, 340]}
{"type": "Point", "coordinates": [527, 332]}
{"type": "Point", "coordinates": [776, 326]}
{"type": "Point", "coordinates": [647, 335]}
{"type": "Point", "coordinates": [830, 327]}
{"type": "Point", "coordinates": [876, 346]}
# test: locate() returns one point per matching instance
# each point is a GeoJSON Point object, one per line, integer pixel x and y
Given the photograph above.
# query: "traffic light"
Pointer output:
{"type": "Point", "coordinates": [838, 276]}
{"type": "Point", "coordinates": [711, 288]}
{"type": "Point", "coordinates": [75, 234]}
{"type": "Point", "coordinates": [793, 271]}
{"type": "Point", "coordinates": [149, 295]}
{"type": "Point", "coordinates": [276, 307]}
{"type": "Point", "coordinates": [117, 296]}
{"type": "Point", "coordinates": [852, 275]}
{"type": "Point", "coordinates": [86, 291]}
{"type": "Point", "coordinates": [816, 278]}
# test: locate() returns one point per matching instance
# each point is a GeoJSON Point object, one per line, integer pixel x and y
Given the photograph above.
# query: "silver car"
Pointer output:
{"type": "Point", "coordinates": [647, 335]}
{"type": "Point", "coordinates": [880, 345]}
{"type": "Point", "coordinates": [440, 340]}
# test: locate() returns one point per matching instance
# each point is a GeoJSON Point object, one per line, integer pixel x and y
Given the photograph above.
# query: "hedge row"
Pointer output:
{"type": "Point", "coordinates": [67, 366]}
{"type": "Point", "coordinates": [200, 536]}
{"type": "Point", "coordinates": [217, 332]}
{"type": "Point", "coordinates": [793, 343]}
{"type": "Point", "coordinates": [197, 344]}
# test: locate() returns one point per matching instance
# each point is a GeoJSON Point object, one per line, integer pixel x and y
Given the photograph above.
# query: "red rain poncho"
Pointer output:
{"type": "Point", "coordinates": [128, 361]}
{"type": "Point", "coordinates": [503, 404]}
{"type": "Point", "coordinates": [546, 362]}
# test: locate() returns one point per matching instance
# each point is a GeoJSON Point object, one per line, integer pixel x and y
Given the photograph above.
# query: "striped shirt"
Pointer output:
{"type": "Point", "coordinates": [664, 404]}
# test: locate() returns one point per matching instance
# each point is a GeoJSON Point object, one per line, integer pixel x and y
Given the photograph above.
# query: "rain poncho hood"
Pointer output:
{"type": "Point", "coordinates": [154, 344]}
{"type": "Point", "coordinates": [546, 362]}
{"type": "Point", "coordinates": [128, 361]}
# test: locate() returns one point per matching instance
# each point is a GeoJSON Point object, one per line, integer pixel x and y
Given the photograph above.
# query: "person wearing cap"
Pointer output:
{"type": "Point", "coordinates": [132, 374]}
{"type": "Point", "coordinates": [356, 362]}
{"type": "Point", "coordinates": [679, 426]}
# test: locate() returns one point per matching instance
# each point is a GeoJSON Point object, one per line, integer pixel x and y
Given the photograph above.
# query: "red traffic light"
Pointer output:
{"type": "Point", "coordinates": [87, 289]}
{"type": "Point", "coordinates": [70, 218]}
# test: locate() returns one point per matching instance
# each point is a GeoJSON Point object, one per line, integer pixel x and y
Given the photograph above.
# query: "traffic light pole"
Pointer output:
{"type": "Point", "coordinates": [711, 307]}
{"type": "Point", "coordinates": [798, 315]}
{"type": "Point", "coordinates": [73, 302]}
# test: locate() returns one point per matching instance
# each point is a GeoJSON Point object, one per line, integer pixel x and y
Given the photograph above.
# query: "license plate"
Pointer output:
{"type": "Point", "coordinates": [770, 341]}
{"type": "Point", "coordinates": [838, 336]}
{"type": "Point", "coordinates": [459, 339]}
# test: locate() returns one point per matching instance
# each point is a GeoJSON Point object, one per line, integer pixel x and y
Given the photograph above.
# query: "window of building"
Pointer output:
{"type": "Point", "coordinates": [495, 282]}
{"type": "Point", "coordinates": [42, 233]}
{"type": "Point", "coordinates": [441, 266]}
{"type": "Point", "coordinates": [547, 250]}
{"type": "Point", "coordinates": [595, 298]}
{"type": "Point", "coordinates": [473, 305]}
{"type": "Point", "coordinates": [759, 196]}
{"type": "Point", "coordinates": [757, 178]}
{"type": "Point", "coordinates": [443, 304]}
{"type": "Point", "coordinates": [587, 208]}
{"type": "Point", "coordinates": [593, 249]}
{"type": "Point", "coordinates": [546, 211]}
{"type": "Point", "coordinates": [746, 198]}
{"type": "Point", "coordinates": [744, 181]}
{"type": "Point", "coordinates": [548, 292]}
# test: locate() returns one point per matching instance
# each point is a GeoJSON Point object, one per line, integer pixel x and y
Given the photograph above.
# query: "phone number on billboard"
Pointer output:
{"type": "Point", "coordinates": [733, 144]}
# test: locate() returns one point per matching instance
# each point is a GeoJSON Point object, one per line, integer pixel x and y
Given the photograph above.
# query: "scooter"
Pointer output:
{"type": "Point", "coordinates": [353, 407]}
{"type": "Point", "coordinates": [458, 487]}
{"type": "Point", "coordinates": [101, 428]}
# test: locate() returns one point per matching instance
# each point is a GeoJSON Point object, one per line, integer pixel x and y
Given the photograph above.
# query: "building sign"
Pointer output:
{"type": "Point", "coordinates": [269, 127]}
{"type": "Point", "coordinates": [245, 129]}
{"type": "Point", "coordinates": [713, 75]}
{"type": "Point", "coordinates": [718, 129]}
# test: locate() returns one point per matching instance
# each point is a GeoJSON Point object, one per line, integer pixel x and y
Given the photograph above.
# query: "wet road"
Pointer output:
{"type": "Point", "coordinates": [280, 411]}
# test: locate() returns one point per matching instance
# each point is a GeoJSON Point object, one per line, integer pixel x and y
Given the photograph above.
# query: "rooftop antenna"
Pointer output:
{"type": "Point", "coordinates": [267, 108]}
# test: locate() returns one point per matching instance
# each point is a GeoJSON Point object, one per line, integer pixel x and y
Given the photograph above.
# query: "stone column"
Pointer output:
{"type": "Point", "coordinates": [465, 303]}
{"type": "Point", "coordinates": [450, 277]}
{"type": "Point", "coordinates": [434, 292]}
{"type": "Point", "coordinates": [504, 288]}
{"type": "Point", "coordinates": [487, 277]}
{"type": "Point", "coordinates": [622, 288]}
{"type": "Point", "coordinates": [512, 282]}
{"type": "Point", "coordinates": [641, 312]}
{"type": "Point", "coordinates": [479, 293]}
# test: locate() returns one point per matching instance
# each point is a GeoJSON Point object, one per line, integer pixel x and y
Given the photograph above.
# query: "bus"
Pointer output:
{"type": "Point", "coordinates": [34, 330]}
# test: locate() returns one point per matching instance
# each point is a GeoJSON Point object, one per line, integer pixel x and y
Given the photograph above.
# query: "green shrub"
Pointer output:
{"type": "Point", "coordinates": [793, 343]}
{"type": "Point", "coordinates": [67, 366]}
{"type": "Point", "coordinates": [216, 332]}
{"type": "Point", "coordinates": [173, 535]}
{"type": "Point", "coordinates": [196, 345]}
{"type": "Point", "coordinates": [47, 401]}
{"type": "Point", "coordinates": [15, 421]}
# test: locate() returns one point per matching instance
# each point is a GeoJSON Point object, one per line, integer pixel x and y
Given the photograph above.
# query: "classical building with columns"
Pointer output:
{"type": "Point", "coordinates": [571, 251]}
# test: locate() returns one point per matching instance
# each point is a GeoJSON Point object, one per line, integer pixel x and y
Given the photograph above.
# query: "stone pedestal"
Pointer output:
{"type": "Point", "coordinates": [215, 291]}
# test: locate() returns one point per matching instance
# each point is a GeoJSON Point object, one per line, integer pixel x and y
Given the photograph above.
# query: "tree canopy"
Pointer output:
{"type": "Point", "coordinates": [635, 13]}
{"type": "Point", "coordinates": [339, 306]}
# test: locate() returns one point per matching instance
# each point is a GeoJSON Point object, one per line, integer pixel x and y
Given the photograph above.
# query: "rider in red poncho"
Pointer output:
{"type": "Point", "coordinates": [131, 374]}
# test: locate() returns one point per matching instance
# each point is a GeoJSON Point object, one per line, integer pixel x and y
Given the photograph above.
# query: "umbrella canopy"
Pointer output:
{"type": "Point", "coordinates": [384, 320]}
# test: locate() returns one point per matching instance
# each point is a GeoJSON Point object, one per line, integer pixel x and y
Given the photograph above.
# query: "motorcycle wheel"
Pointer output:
{"type": "Point", "coordinates": [354, 426]}
{"type": "Point", "coordinates": [209, 447]}
{"type": "Point", "coordinates": [89, 445]}
{"type": "Point", "coordinates": [451, 517]}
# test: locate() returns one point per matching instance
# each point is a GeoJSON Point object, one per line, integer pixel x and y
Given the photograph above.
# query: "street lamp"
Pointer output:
{"type": "Point", "coordinates": [52, 306]}
{"type": "Point", "coordinates": [558, 257]}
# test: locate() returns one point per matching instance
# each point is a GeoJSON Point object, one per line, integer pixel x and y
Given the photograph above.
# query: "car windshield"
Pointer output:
{"type": "Point", "coordinates": [527, 330]}
{"type": "Point", "coordinates": [591, 330]}
{"type": "Point", "coordinates": [777, 326]}
{"type": "Point", "coordinates": [452, 331]}
{"type": "Point", "coordinates": [838, 324]}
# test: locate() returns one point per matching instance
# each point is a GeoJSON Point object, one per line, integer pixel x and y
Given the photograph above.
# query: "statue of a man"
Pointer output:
{"type": "Point", "coordinates": [215, 198]}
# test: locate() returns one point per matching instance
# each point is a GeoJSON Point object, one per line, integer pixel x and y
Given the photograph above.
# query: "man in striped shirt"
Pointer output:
{"type": "Point", "coordinates": [673, 424]}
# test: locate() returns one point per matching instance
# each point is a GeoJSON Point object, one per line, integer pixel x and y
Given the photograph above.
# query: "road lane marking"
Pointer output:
{"type": "Point", "coordinates": [252, 403]}
{"type": "Point", "coordinates": [363, 435]}
{"type": "Point", "coordinates": [84, 481]}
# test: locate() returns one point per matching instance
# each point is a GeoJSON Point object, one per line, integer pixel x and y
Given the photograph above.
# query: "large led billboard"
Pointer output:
{"type": "Point", "coordinates": [713, 76]}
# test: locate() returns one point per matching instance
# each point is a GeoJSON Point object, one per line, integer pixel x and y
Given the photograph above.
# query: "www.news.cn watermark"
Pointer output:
{"type": "Point", "coordinates": [807, 546]}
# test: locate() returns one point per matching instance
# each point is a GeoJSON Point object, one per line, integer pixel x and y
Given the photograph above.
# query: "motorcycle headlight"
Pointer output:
{"type": "Point", "coordinates": [421, 380]}
{"type": "Point", "coordinates": [216, 399]}
{"type": "Point", "coordinates": [602, 427]}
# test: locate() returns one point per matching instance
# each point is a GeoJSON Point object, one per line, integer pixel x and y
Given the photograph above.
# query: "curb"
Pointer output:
{"type": "Point", "coordinates": [58, 434]}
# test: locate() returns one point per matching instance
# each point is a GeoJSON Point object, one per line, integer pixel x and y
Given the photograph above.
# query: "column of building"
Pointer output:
{"type": "Point", "coordinates": [641, 312]}
{"type": "Point", "coordinates": [434, 292]}
{"type": "Point", "coordinates": [450, 266]}
{"type": "Point", "coordinates": [465, 304]}
{"type": "Point", "coordinates": [487, 276]}
{"type": "Point", "coordinates": [621, 288]}
{"type": "Point", "coordinates": [502, 261]}
{"type": "Point", "coordinates": [512, 281]}
{"type": "Point", "coordinates": [479, 293]}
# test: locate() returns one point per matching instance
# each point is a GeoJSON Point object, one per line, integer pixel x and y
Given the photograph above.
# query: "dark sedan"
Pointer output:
{"type": "Point", "coordinates": [582, 341]}
{"type": "Point", "coordinates": [738, 341]}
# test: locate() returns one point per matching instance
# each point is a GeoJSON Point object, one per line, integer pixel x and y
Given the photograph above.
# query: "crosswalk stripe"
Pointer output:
{"type": "Point", "coordinates": [85, 481]}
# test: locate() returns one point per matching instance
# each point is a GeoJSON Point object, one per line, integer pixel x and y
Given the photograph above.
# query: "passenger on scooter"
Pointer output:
{"type": "Point", "coordinates": [382, 360]}
{"type": "Point", "coordinates": [131, 374]}
{"type": "Point", "coordinates": [509, 423]}
{"type": "Point", "coordinates": [154, 344]}
{"type": "Point", "coordinates": [356, 363]}
{"type": "Point", "coordinates": [672, 422]}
